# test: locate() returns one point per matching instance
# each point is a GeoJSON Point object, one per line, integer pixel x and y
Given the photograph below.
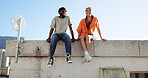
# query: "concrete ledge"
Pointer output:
{"type": "Point", "coordinates": [37, 67]}
{"type": "Point", "coordinates": [117, 48]}
{"type": "Point", "coordinates": [29, 48]}
{"type": "Point", "coordinates": [125, 48]}
{"type": "Point", "coordinates": [143, 48]}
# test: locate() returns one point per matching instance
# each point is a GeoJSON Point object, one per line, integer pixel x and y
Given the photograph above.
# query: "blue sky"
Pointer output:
{"type": "Point", "coordinates": [119, 19]}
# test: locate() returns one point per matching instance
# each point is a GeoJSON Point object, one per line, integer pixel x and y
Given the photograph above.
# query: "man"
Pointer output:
{"type": "Point", "coordinates": [60, 24]}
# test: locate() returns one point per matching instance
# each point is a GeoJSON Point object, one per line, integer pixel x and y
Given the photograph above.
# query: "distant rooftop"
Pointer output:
{"type": "Point", "coordinates": [4, 38]}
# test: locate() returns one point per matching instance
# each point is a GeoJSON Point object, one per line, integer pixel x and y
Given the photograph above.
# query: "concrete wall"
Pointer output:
{"type": "Point", "coordinates": [129, 54]}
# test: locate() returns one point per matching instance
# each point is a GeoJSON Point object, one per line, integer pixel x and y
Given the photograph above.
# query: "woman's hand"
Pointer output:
{"type": "Point", "coordinates": [104, 40]}
{"type": "Point", "coordinates": [77, 39]}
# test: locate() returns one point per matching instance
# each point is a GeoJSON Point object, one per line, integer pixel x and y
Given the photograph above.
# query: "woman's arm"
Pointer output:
{"type": "Point", "coordinates": [99, 31]}
{"type": "Point", "coordinates": [100, 34]}
{"type": "Point", "coordinates": [79, 29]}
{"type": "Point", "coordinates": [78, 36]}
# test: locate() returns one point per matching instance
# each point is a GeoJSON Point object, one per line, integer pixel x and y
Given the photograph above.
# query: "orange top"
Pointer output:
{"type": "Point", "coordinates": [82, 29]}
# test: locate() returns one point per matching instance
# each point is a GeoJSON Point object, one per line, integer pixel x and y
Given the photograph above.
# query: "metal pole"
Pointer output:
{"type": "Point", "coordinates": [1, 60]}
{"type": "Point", "coordinates": [2, 56]}
{"type": "Point", "coordinates": [18, 42]}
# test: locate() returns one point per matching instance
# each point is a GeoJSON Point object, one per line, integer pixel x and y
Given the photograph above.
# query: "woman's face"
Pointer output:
{"type": "Point", "coordinates": [88, 12]}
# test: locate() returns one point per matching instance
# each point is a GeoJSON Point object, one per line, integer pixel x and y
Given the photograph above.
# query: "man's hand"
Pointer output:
{"type": "Point", "coordinates": [104, 40]}
{"type": "Point", "coordinates": [48, 40]}
{"type": "Point", "coordinates": [73, 40]}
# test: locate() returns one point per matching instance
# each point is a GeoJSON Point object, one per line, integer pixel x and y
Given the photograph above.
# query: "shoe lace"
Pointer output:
{"type": "Point", "coordinates": [68, 58]}
{"type": "Point", "coordinates": [50, 61]}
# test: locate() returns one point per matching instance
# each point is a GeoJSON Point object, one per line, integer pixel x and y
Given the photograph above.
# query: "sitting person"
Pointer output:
{"type": "Point", "coordinates": [60, 24]}
{"type": "Point", "coordinates": [85, 31]}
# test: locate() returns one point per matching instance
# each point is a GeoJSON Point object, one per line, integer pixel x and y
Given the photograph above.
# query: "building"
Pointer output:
{"type": "Point", "coordinates": [3, 58]}
{"type": "Point", "coordinates": [4, 38]}
{"type": "Point", "coordinates": [111, 59]}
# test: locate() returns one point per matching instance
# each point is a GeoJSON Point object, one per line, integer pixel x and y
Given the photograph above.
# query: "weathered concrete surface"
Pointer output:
{"type": "Point", "coordinates": [98, 48]}
{"type": "Point", "coordinates": [32, 63]}
{"type": "Point", "coordinates": [29, 48]}
{"type": "Point", "coordinates": [143, 48]}
{"type": "Point", "coordinates": [30, 67]}
{"type": "Point", "coordinates": [116, 48]}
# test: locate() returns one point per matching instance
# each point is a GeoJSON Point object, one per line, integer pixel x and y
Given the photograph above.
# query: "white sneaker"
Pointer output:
{"type": "Point", "coordinates": [84, 60]}
{"type": "Point", "coordinates": [88, 57]}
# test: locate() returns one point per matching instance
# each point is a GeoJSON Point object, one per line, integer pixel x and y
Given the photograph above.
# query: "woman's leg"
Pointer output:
{"type": "Point", "coordinates": [83, 43]}
{"type": "Point", "coordinates": [87, 57]}
{"type": "Point", "coordinates": [87, 43]}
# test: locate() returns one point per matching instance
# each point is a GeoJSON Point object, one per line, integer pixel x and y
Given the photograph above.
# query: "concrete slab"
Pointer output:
{"type": "Point", "coordinates": [116, 48]}
{"type": "Point", "coordinates": [29, 48]}
{"type": "Point", "coordinates": [34, 67]}
{"type": "Point", "coordinates": [143, 48]}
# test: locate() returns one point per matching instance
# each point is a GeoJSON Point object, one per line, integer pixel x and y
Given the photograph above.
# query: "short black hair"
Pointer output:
{"type": "Point", "coordinates": [62, 8]}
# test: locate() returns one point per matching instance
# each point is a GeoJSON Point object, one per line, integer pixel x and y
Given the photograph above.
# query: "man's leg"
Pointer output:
{"type": "Point", "coordinates": [67, 41]}
{"type": "Point", "coordinates": [53, 44]}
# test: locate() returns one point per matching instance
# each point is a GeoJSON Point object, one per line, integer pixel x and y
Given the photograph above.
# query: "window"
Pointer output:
{"type": "Point", "coordinates": [112, 72]}
{"type": "Point", "coordinates": [139, 74]}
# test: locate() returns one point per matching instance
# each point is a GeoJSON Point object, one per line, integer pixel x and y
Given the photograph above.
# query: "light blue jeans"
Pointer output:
{"type": "Point", "coordinates": [55, 38]}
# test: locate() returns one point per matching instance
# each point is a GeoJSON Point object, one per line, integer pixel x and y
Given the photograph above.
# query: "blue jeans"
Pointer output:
{"type": "Point", "coordinates": [55, 38]}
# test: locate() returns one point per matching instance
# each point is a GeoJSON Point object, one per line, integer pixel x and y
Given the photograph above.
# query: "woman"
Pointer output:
{"type": "Point", "coordinates": [85, 31]}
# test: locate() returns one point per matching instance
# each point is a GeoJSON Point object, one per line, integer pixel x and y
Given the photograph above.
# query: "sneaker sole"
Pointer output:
{"type": "Point", "coordinates": [69, 62]}
{"type": "Point", "coordinates": [49, 65]}
{"type": "Point", "coordinates": [84, 61]}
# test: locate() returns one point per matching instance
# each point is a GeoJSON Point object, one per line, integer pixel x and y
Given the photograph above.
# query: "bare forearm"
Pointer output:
{"type": "Point", "coordinates": [71, 31]}
{"type": "Point", "coordinates": [99, 32]}
{"type": "Point", "coordinates": [51, 31]}
{"type": "Point", "coordinates": [79, 35]}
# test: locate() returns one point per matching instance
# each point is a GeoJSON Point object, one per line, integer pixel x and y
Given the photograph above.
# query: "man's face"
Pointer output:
{"type": "Point", "coordinates": [62, 13]}
{"type": "Point", "coordinates": [88, 12]}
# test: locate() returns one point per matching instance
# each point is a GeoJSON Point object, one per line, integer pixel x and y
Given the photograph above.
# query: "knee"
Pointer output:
{"type": "Point", "coordinates": [53, 39]}
{"type": "Point", "coordinates": [81, 37]}
{"type": "Point", "coordinates": [67, 38]}
{"type": "Point", "coordinates": [87, 37]}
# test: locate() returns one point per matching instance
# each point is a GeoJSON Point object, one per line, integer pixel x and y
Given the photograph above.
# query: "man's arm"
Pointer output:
{"type": "Point", "coordinates": [100, 34]}
{"type": "Point", "coordinates": [51, 31]}
{"type": "Point", "coordinates": [72, 34]}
